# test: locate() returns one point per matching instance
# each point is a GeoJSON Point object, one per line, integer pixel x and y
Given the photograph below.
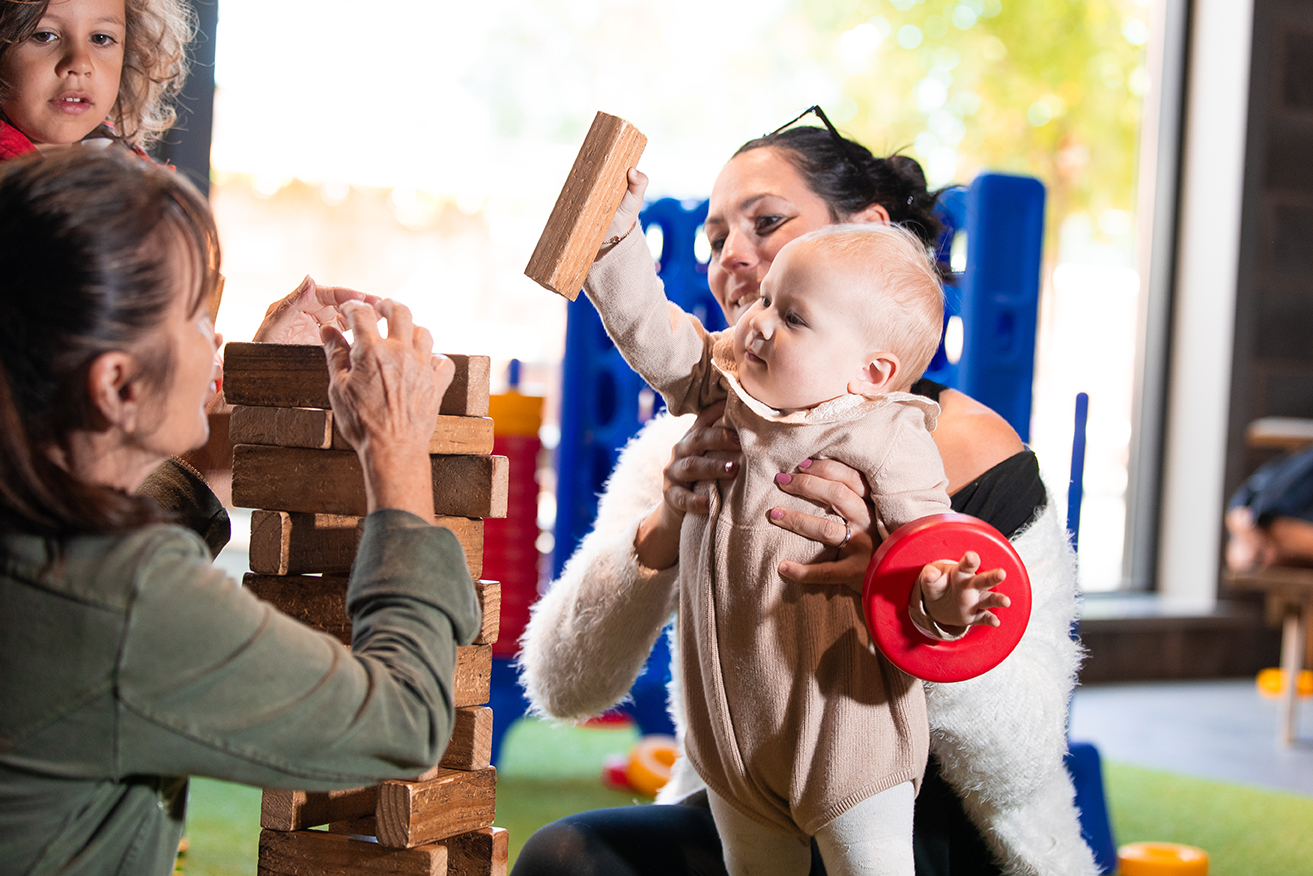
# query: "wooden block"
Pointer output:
{"type": "Point", "coordinates": [473, 683]}
{"type": "Point", "coordinates": [282, 809]}
{"type": "Point", "coordinates": [411, 814]}
{"type": "Point", "coordinates": [286, 543]}
{"type": "Point", "coordinates": [315, 853]}
{"type": "Point", "coordinates": [490, 602]}
{"type": "Point", "coordinates": [285, 427]}
{"type": "Point", "coordinates": [313, 428]}
{"type": "Point", "coordinates": [296, 376]}
{"type": "Point", "coordinates": [330, 482]}
{"type": "Point", "coordinates": [314, 601]}
{"type": "Point", "coordinates": [586, 205]}
{"type": "Point", "coordinates": [320, 602]}
{"type": "Point", "coordinates": [452, 436]}
{"type": "Point", "coordinates": [470, 747]}
{"type": "Point", "coordinates": [481, 852]}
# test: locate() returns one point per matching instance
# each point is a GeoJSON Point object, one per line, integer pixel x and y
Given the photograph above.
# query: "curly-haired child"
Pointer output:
{"type": "Point", "coordinates": [73, 70]}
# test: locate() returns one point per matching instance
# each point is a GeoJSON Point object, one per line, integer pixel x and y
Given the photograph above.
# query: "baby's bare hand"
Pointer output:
{"type": "Point", "coordinates": [958, 595]}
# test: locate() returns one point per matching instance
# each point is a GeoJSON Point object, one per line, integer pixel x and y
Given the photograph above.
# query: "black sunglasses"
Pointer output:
{"type": "Point", "coordinates": [820, 114]}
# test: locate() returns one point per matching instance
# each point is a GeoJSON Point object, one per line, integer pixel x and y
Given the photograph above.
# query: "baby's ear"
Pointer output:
{"type": "Point", "coordinates": [877, 377]}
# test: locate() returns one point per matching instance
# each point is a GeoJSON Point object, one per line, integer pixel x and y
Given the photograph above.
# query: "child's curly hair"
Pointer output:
{"type": "Point", "coordinates": [154, 60]}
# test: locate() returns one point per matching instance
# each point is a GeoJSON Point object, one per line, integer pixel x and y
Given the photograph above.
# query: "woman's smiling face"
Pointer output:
{"type": "Point", "coordinates": [759, 203]}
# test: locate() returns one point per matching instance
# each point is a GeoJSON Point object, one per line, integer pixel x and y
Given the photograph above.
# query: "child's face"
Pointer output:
{"type": "Point", "coordinates": [804, 340]}
{"type": "Point", "coordinates": [64, 79]}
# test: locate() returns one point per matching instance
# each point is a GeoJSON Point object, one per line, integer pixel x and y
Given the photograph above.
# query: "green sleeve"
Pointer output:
{"type": "Point", "coordinates": [212, 681]}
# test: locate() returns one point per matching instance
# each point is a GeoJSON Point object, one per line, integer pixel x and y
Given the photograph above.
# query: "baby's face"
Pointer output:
{"type": "Point", "coordinates": [804, 340]}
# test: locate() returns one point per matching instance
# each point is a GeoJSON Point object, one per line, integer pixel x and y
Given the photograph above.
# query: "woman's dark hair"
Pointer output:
{"type": "Point", "coordinates": [849, 178]}
{"type": "Point", "coordinates": [95, 247]}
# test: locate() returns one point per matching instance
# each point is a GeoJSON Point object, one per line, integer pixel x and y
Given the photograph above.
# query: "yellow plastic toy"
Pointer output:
{"type": "Point", "coordinates": [650, 761]}
{"type": "Point", "coordinates": [1161, 859]}
{"type": "Point", "coordinates": [1272, 683]}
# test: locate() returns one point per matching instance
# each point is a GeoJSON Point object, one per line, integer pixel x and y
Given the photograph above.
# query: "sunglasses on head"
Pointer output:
{"type": "Point", "coordinates": [820, 114]}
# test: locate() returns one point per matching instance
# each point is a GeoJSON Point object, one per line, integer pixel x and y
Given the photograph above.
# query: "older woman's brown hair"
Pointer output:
{"type": "Point", "coordinates": [95, 246]}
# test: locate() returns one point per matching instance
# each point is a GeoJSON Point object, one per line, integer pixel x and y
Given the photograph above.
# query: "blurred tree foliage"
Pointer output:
{"type": "Point", "coordinates": [1050, 88]}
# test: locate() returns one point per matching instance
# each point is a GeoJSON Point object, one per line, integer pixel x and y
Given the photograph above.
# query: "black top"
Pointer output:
{"type": "Point", "coordinates": [1008, 496]}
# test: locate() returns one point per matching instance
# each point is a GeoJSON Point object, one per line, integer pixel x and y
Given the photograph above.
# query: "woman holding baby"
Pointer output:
{"type": "Point", "coordinates": [995, 797]}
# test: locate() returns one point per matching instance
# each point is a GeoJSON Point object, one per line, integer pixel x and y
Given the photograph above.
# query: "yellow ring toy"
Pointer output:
{"type": "Point", "coordinates": [1161, 859]}
{"type": "Point", "coordinates": [650, 761]}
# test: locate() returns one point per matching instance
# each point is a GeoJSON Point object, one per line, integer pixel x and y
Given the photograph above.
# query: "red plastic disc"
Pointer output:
{"type": "Point", "coordinates": [893, 572]}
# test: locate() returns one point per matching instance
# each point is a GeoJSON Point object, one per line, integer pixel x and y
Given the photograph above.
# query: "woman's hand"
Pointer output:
{"type": "Point", "coordinates": [385, 394]}
{"type": "Point", "coordinates": [707, 452]}
{"type": "Point", "coordinates": [626, 217]}
{"type": "Point", "coordinates": [296, 319]}
{"type": "Point", "coordinates": [841, 488]}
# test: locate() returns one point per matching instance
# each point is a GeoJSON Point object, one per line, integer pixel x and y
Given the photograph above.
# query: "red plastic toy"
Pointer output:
{"type": "Point", "coordinates": [893, 572]}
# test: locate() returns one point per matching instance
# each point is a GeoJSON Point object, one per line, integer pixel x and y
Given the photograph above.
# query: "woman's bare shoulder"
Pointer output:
{"type": "Point", "coordinates": [971, 438]}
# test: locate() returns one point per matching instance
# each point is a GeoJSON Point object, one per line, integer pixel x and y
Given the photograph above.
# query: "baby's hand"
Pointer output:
{"type": "Point", "coordinates": [627, 214]}
{"type": "Point", "coordinates": [958, 595]}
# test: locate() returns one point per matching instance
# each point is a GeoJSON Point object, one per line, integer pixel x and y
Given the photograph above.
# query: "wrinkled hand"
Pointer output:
{"type": "Point", "coordinates": [630, 206]}
{"type": "Point", "coordinates": [296, 319]}
{"type": "Point", "coordinates": [841, 488]}
{"type": "Point", "coordinates": [958, 595]}
{"type": "Point", "coordinates": [385, 394]}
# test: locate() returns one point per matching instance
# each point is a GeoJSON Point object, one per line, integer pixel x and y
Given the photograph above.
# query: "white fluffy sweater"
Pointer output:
{"type": "Point", "coordinates": [1000, 738]}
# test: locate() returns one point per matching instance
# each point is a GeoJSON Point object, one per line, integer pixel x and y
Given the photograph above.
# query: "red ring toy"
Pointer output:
{"type": "Point", "coordinates": [893, 572]}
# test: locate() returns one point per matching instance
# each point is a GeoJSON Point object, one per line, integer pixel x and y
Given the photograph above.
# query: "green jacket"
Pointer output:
{"type": "Point", "coordinates": [129, 663]}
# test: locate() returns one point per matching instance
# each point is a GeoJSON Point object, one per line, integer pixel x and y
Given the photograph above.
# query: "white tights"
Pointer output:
{"type": "Point", "coordinates": [873, 838]}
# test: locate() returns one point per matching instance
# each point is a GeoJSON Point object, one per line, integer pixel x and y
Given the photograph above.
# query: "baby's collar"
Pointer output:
{"type": "Point", "coordinates": [846, 407]}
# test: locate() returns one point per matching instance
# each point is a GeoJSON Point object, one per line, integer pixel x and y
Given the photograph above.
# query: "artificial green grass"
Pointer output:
{"type": "Point", "coordinates": [548, 772]}
{"type": "Point", "coordinates": [1246, 831]}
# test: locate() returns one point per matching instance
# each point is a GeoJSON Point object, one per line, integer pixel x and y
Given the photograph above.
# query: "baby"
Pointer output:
{"type": "Point", "coordinates": [796, 725]}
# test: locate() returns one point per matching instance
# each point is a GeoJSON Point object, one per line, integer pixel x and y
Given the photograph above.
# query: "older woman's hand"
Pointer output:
{"type": "Point", "coordinates": [842, 489]}
{"type": "Point", "coordinates": [385, 394]}
{"type": "Point", "coordinates": [296, 319]}
{"type": "Point", "coordinates": [707, 452]}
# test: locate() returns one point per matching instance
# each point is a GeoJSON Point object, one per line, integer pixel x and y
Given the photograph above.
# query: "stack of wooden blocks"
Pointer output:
{"type": "Point", "coordinates": [291, 463]}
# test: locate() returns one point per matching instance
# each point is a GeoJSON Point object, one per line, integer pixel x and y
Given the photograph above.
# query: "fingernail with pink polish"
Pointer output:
{"type": "Point", "coordinates": [776, 514]}
{"type": "Point", "coordinates": [783, 478]}
{"type": "Point", "coordinates": [805, 463]}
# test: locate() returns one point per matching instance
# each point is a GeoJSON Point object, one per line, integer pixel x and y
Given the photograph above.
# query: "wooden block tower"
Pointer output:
{"type": "Point", "coordinates": [291, 464]}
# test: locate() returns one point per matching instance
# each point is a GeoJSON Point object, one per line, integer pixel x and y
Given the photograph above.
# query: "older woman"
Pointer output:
{"type": "Point", "coordinates": [996, 797]}
{"type": "Point", "coordinates": [127, 662]}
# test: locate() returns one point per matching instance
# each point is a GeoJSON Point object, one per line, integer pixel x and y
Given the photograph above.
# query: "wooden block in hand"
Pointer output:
{"type": "Point", "coordinates": [331, 482]}
{"type": "Point", "coordinates": [282, 809]}
{"type": "Point", "coordinates": [296, 376]}
{"type": "Point", "coordinates": [489, 593]}
{"type": "Point", "coordinates": [473, 683]}
{"type": "Point", "coordinates": [315, 853]}
{"type": "Point", "coordinates": [481, 852]}
{"type": "Point", "coordinates": [286, 543]}
{"type": "Point", "coordinates": [314, 601]}
{"type": "Point", "coordinates": [586, 205]}
{"type": "Point", "coordinates": [313, 428]}
{"type": "Point", "coordinates": [411, 814]}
